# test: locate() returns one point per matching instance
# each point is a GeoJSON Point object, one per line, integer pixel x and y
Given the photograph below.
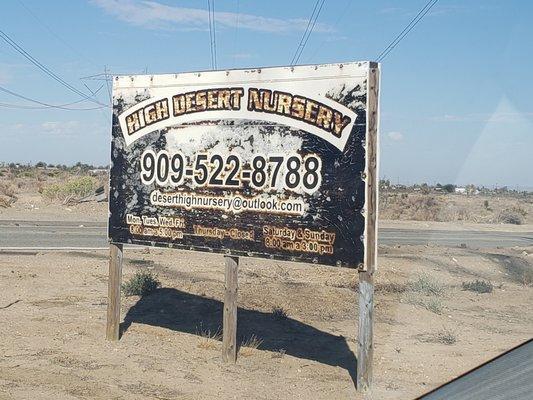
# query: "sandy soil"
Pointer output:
{"type": "Point", "coordinates": [30, 205]}
{"type": "Point", "coordinates": [458, 208]}
{"type": "Point", "coordinates": [53, 309]}
{"type": "Point", "coordinates": [35, 208]}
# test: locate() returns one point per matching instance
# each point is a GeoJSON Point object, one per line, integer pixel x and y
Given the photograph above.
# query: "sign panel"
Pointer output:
{"type": "Point", "coordinates": [263, 162]}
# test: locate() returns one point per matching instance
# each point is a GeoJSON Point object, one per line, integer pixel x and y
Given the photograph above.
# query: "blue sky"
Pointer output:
{"type": "Point", "coordinates": [456, 94]}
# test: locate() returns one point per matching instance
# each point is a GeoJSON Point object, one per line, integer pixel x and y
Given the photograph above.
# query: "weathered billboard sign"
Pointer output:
{"type": "Point", "coordinates": [265, 162]}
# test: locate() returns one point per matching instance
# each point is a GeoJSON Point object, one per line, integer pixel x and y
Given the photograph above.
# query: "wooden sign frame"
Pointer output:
{"type": "Point", "coordinates": [365, 345]}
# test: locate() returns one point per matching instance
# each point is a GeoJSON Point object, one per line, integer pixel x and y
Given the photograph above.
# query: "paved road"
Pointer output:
{"type": "Point", "coordinates": [56, 234]}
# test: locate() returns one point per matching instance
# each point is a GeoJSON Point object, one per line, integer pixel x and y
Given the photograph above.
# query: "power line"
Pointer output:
{"type": "Point", "coordinates": [212, 32]}
{"type": "Point", "coordinates": [406, 30]}
{"type": "Point", "coordinates": [43, 104]}
{"type": "Point", "coordinates": [305, 32]}
{"type": "Point", "coordinates": [107, 86]}
{"type": "Point", "coordinates": [235, 49]}
{"type": "Point", "coordinates": [59, 38]}
{"type": "Point", "coordinates": [308, 30]}
{"type": "Point", "coordinates": [45, 69]}
{"type": "Point", "coordinates": [335, 24]}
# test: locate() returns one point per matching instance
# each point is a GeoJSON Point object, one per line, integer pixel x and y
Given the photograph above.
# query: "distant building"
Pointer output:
{"type": "Point", "coordinates": [460, 190]}
{"type": "Point", "coordinates": [98, 171]}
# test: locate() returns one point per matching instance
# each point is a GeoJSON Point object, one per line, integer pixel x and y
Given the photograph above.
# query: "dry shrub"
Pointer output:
{"type": "Point", "coordinates": [7, 190]}
{"type": "Point", "coordinates": [71, 190]}
{"type": "Point", "coordinates": [412, 207]}
{"type": "Point", "coordinates": [444, 336]}
{"type": "Point", "coordinates": [7, 195]}
{"type": "Point", "coordinates": [5, 202]}
{"type": "Point", "coordinates": [424, 208]}
{"type": "Point", "coordinates": [478, 286]}
{"type": "Point", "coordinates": [452, 212]}
{"type": "Point", "coordinates": [426, 292]}
{"type": "Point", "coordinates": [511, 216]}
{"type": "Point", "coordinates": [427, 285]}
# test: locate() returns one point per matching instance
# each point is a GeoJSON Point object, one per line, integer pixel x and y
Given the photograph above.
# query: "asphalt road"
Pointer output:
{"type": "Point", "coordinates": [65, 235]}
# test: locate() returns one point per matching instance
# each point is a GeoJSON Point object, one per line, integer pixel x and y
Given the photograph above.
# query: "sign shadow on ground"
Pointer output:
{"type": "Point", "coordinates": [189, 313]}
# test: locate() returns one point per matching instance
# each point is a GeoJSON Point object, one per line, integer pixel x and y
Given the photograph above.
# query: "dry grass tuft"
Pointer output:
{"type": "Point", "coordinates": [248, 346]}
{"type": "Point", "coordinates": [279, 313]}
{"type": "Point", "coordinates": [430, 303]}
{"type": "Point", "coordinates": [444, 336]}
{"type": "Point", "coordinates": [278, 354]}
{"type": "Point", "coordinates": [209, 340]}
{"type": "Point", "coordinates": [391, 287]}
{"type": "Point", "coordinates": [425, 291]}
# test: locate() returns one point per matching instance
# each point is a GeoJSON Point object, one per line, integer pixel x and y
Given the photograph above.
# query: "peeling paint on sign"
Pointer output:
{"type": "Point", "coordinates": [265, 163]}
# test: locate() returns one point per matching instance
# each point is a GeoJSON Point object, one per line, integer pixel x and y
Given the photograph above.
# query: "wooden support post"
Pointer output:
{"type": "Point", "coordinates": [229, 328]}
{"type": "Point", "coordinates": [365, 341]}
{"type": "Point", "coordinates": [113, 291]}
{"type": "Point", "coordinates": [365, 352]}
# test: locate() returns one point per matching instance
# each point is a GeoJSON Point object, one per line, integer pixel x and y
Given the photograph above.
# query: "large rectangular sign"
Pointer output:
{"type": "Point", "coordinates": [264, 162]}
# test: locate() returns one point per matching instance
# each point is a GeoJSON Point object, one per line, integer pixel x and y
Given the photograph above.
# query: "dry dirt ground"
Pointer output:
{"type": "Point", "coordinates": [486, 209]}
{"type": "Point", "coordinates": [20, 199]}
{"type": "Point", "coordinates": [427, 328]}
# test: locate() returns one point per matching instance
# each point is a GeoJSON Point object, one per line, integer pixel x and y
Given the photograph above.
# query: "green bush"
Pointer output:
{"type": "Point", "coordinates": [74, 188]}
{"type": "Point", "coordinates": [427, 285]}
{"type": "Point", "coordinates": [140, 284]}
{"type": "Point", "coordinates": [478, 286]}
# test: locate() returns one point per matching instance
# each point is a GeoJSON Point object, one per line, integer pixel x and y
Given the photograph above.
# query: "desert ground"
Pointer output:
{"type": "Point", "coordinates": [428, 328]}
{"type": "Point", "coordinates": [440, 311]}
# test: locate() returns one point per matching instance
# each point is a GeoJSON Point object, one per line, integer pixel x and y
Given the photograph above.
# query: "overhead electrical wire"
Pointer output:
{"type": "Point", "coordinates": [305, 32]}
{"type": "Point", "coordinates": [235, 48]}
{"type": "Point", "coordinates": [107, 85]}
{"type": "Point", "coordinates": [212, 32]}
{"type": "Point", "coordinates": [406, 30]}
{"type": "Point", "coordinates": [308, 30]}
{"type": "Point", "coordinates": [58, 37]}
{"type": "Point", "coordinates": [43, 104]}
{"type": "Point", "coordinates": [45, 69]}
{"type": "Point", "coordinates": [213, 19]}
{"type": "Point", "coordinates": [335, 24]}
